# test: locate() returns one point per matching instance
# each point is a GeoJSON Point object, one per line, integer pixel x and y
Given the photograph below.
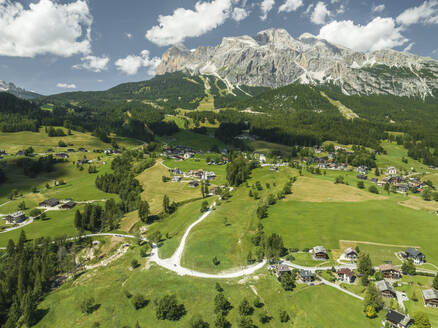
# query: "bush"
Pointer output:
{"type": "Point", "coordinates": [134, 264]}
{"type": "Point", "coordinates": [35, 212]}
{"type": "Point", "coordinates": [284, 317]}
{"type": "Point", "coordinates": [216, 261]}
{"type": "Point", "coordinates": [88, 305]}
{"type": "Point", "coordinates": [197, 322]}
{"type": "Point", "coordinates": [361, 185]}
{"type": "Point", "coordinates": [139, 301]}
{"type": "Point", "coordinates": [373, 189]}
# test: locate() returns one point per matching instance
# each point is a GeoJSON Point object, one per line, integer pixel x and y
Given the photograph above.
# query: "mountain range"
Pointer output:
{"type": "Point", "coordinates": [273, 58]}
{"type": "Point", "coordinates": [16, 91]}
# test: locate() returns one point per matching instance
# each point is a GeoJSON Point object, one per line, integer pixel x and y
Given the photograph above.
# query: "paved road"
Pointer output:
{"type": "Point", "coordinates": [352, 266]}
{"type": "Point", "coordinates": [331, 284]}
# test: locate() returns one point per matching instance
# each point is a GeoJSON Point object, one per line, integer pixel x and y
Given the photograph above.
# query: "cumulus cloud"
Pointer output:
{"type": "Point", "coordinates": [426, 13]}
{"type": "Point", "coordinates": [239, 14]}
{"type": "Point", "coordinates": [66, 86]}
{"type": "Point", "coordinates": [266, 6]}
{"type": "Point", "coordinates": [320, 13]}
{"type": "Point", "coordinates": [379, 8]}
{"type": "Point", "coordinates": [45, 27]}
{"type": "Point", "coordinates": [380, 33]}
{"type": "Point", "coordinates": [290, 5]}
{"type": "Point", "coordinates": [185, 23]}
{"type": "Point", "coordinates": [128, 35]}
{"type": "Point", "coordinates": [93, 63]}
{"type": "Point", "coordinates": [309, 9]}
{"type": "Point", "coordinates": [409, 47]}
{"type": "Point", "coordinates": [340, 10]}
{"type": "Point", "coordinates": [132, 63]}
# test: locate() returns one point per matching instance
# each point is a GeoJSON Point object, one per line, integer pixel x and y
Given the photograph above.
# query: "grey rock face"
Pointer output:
{"type": "Point", "coordinates": [16, 91]}
{"type": "Point", "coordinates": [274, 58]}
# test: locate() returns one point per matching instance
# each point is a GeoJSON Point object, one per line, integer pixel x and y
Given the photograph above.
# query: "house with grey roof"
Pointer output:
{"type": "Point", "coordinates": [319, 253]}
{"type": "Point", "coordinates": [16, 217]}
{"type": "Point", "coordinates": [350, 254]}
{"type": "Point", "coordinates": [415, 255]}
{"type": "Point", "coordinates": [430, 297]}
{"type": "Point", "coordinates": [306, 275]}
{"type": "Point", "coordinates": [396, 319]}
{"type": "Point", "coordinates": [385, 288]}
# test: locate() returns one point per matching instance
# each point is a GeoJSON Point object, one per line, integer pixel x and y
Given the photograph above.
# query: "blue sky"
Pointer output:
{"type": "Point", "coordinates": [53, 46]}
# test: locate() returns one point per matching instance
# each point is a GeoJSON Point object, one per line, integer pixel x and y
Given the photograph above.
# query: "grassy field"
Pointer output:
{"type": "Point", "coordinates": [175, 225]}
{"type": "Point", "coordinates": [304, 224]}
{"type": "Point", "coordinates": [231, 243]}
{"type": "Point", "coordinates": [311, 189]}
{"type": "Point", "coordinates": [378, 253]}
{"type": "Point", "coordinates": [394, 156]}
{"type": "Point", "coordinates": [197, 164]}
{"type": "Point", "coordinates": [155, 188]}
{"type": "Point", "coordinates": [194, 140]}
{"type": "Point", "coordinates": [309, 307]}
{"type": "Point", "coordinates": [266, 147]}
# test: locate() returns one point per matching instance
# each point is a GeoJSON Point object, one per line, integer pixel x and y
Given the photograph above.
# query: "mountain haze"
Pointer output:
{"type": "Point", "coordinates": [273, 58]}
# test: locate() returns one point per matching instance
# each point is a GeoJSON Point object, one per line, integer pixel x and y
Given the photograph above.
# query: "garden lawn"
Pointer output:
{"type": "Point", "coordinates": [195, 140]}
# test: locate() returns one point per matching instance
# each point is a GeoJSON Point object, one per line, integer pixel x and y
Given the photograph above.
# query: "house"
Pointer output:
{"type": "Point", "coordinates": [262, 158]}
{"type": "Point", "coordinates": [389, 271]}
{"type": "Point", "coordinates": [306, 275]}
{"type": "Point", "coordinates": [281, 269]}
{"type": "Point", "coordinates": [21, 153]}
{"type": "Point", "coordinates": [70, 150]}
{"type": "Point", "coordinates": [193, 184]}
{"type": "Point", "coordinates": [392, 170]}
{"type": "Point", "coordinates": [176, 171]}
{"type": "Point", "coordinates": [402, 188]}
{"type": "Point", "coordinates": [350, 254]}
{"type": "Point", "coordinates": [362, 177]}
{"type": "Point", "coordinates": [16, 217]}
{"type": "Point", "coordinates": [176, 179]}
{"type": "Point", "coordinates": [385, 288]}
{"type": "Point", "coordinates": [52, 202]}
{"type": "Point", "coordinates": [430, 297]}
{"type": "Point", "coordinates": [188, 155]}
{"type": "Point", "coordinates": [62, 155]}
{"type": "Point", "coordinates": [345, 275]}
{"type": "Point", "coordinates": [68, 205]}
{"type": "Point", "coordinates": [362, 170]}
{"type": "Point", "coordinates": [415, 255]}
{"type": "Point", "coordinates": [319, 253]}
{"type": "Point", "coordinates": [82, 161]}
{"type": "Point", "coordinates": [374, 180]}
{"type": "Point", "coordinates": [396, 319]}
{"type": "Point", "coordinates": [82, 150]}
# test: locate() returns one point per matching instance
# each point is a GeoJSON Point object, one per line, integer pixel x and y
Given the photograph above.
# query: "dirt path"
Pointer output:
{"type": "Point", "coordinates": [376, 244]}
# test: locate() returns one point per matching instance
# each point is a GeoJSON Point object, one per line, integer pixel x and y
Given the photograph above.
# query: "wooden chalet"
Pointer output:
{"type": "Point", "coordinates": [68, 205]}
{"type": "Point", "coordinates": [430, 297]}
{"type": "Point", "coordinates": [350, 254]}
{"type": "Point", "coordinates": [385, 288]}
{"type": "Point", "coordinates": [319, 253]}
{"type": "Point", "coordinates": [389, 271]}
{"type": "Point", "coordinates": [52, 202]}
{"type": "Point", "coordinates": [306, 275]}
{"type": "Point", "coordinates": [345, 275]}
{"type": "Point", "coordinates": [396, 319]}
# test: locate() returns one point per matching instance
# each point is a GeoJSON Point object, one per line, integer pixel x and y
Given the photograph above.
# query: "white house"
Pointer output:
{"type": "Point", "coordinates": [392, 170]}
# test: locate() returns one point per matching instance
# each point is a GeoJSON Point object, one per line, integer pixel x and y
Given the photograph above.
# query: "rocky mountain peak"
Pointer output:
{"type": "Point", "coordinates": [273, 58]}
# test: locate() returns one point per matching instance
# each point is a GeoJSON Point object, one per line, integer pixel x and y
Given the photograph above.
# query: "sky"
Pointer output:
{"type": "Point", "coordinates": [53, 46]}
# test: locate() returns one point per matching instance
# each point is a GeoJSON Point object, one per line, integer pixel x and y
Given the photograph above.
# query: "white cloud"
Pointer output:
{"type": "Point", "coordinates": [379, 8]}
{"type": "Point", "coordinates": [427, 13]}
{"type": "Point", "coordinates": [239, 14]}
{"type": "Point", "coordinates": [66, 86]}
{"type": "Point", "coordinates": [320, 13]}
{"type": "Point", "coordinates": [128, 35]}
{"type": "Point", "coordinates": [132, 63]}
{"type": "Point", "coordinates": [185, 23]}
{"type": "Point", "coordinates": [308, 9]}
{"type": "Point", "coordinates": [266, 6]}
{"type": "Point", "coordinates": [290, 5]}
{"type": "Point", "coordinates": [334, 1]}
{"type": "Point", "coordinates": [409, 47]}
{"type": "Point", "coordinates": [340, 10]}
{"type": "Point", "coordinates": [93, 63]}
{"type": "Point", "coordinates": [380, 33]}
{"type": "Point", "coordinates": [46, 27]}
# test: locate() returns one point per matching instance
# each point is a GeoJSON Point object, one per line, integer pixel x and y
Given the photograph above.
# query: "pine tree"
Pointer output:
{"type": "Point", "coordinates": [143, 211]}
{"type": "Point", "coordinates": [78, 221]}
{"type": "Point", "coordinates": [435, 282]}
{"type": "Point", "coordinates": [166, 204]}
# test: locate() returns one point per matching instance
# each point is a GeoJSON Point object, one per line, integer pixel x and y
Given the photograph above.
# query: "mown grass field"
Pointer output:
{"type": "Point", "coordinates": [304, 224]}
{"type": "Point", "coordinates": [308, 307]}
{"type": "Point", "coordinates": [155, 189]}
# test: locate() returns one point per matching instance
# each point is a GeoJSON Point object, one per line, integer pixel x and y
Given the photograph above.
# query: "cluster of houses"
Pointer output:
{"type": "Point", "coordinates": [179, 153]}
{"type": "Point", "coordinates": [178, 174]}
{"type": "Point", "coordinates": [15, 218]}
{"type": "Point", "coordinates": [56, 203]}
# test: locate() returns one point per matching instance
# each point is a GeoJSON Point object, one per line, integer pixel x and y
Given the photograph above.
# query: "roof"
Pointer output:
{"type": "Point", "coordinates": [282, 268]}
{"type": "Point", "coordinates": [350, 250]}
{"type": "Point", "coordinates": [397, 317]}
{"type": "Point", "coordinates": [388, 267]}
{"type": "Point", "coordinates": [16, 214]}
{"type": "Point", "coordinates": [384, 285]}
{"type": "Point", "coordinates": [319, 249]}
{"type": "Point", "coordinates": [345, 271]}
{"type": "Point", "coordinates": [306, 273]}
{"type": "Point", "coordinates": [430, 294]}
{"type": "Point", "coordinates": [413, 252]}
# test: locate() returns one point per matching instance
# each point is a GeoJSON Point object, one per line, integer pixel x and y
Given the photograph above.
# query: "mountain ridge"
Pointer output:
{"type": "Point", "coordinates": [273, 58]}
{"type": "Point", "coordinates": [17, 91]}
